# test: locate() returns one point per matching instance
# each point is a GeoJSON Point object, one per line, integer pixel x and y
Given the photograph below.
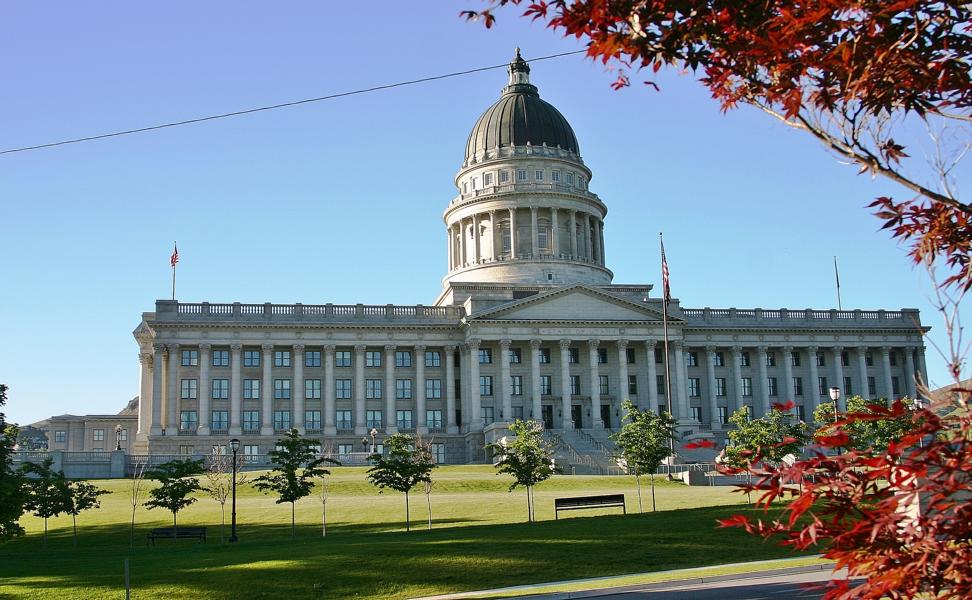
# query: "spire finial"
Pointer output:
{"type": "Point", "coordinates": [519, 70]}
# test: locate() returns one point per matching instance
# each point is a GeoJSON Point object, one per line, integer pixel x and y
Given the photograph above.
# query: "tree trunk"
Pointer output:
{"type": "Point", "coordinates": [324, 519]}
{"type": "Point", "coordinates": [293, 519]}
{"type": "Point", "coordinates": [131, 533]}
{"type": "Point", "coordinates": [653, 493]}
{"type": "Point", "coordinates": [428, 499]}
{"type": "Point", "coordinates": [74, 526]}
{"type": "Point", "coordinates": [175, 526]}
{"type": "Point", "coordinates": [406, 511]}
{"type": "Point", "coordinates": [638, 480]}
{"type": "Point", "coordinates": [529, 512]}
{"type": "Point", "coordinates": [45, 532]}
{"type": "Point", "coordinates": [222, 522]}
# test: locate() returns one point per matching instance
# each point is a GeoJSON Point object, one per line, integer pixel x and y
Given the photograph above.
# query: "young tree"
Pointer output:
{"type": "Point", "coordinates": [327, 451]}
{"type": "Point", "coordinates": [877, 433]}
{"type": "Point", "coordinates": [296, 464]}
{"type": "Point", "coordinates": [81, 496]}
{"type": "Point", "coordinates": [219, 483]}
{"type": "Point", "coordinates": [138, 478]}
{"type": "Point", "coordinates": [527, 457]}
{"type": "Point", "coordinates": [407, 464]}
{"type": "Point", "coordinates": [12, 493]}
{"type": "Point", "coordinates": [643, 442]}
{"type": "Point", "coordinates": [47, 491]}
{"type": "Point", "coordinates": [177, 479]}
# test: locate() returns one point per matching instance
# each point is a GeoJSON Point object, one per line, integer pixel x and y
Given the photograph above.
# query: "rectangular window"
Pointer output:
{"type": "Point", "coordinates": [487, 414]}
{"type": "Point", "coordinates": [575, 385]}
{"type": "Point", "coordinates": [844, 359]}
{"type": "Point", "coordinates": [488, 179]}
{"type": "Point", "coordinates": [771, 359]}
{"type": "Point", "coordinates": [516, 385]}
{"type": "Point", "coordinates": [603, 385]}
{"type": "Point", "coordinates": [570, 178]}
{"type": "Point", "coordinates": [538, 174]}
{"type": "Point", "coordinates": [186, 450]}
{"type": "Point", "coordinates": [869, 359]}
{"type": "Point", "coordinates": [602, 356]}
{"type": "Point", "coordinates": [632, 385]}
{"type": "Point", "coordinates": [438, 453]}
{"type": "Point", "coordinates": [433, 389]}
{"type": "Point", "coordinates": [221, 358]}
{"type": "Point", "coordinates": [795, 359]}
{"type": "Point", "coordinates": [697, 413]}
{"type": "Point", "coordinates": [771, 388]}
{"type": "Point", "coordinates": [629, 355]}
{"type": "Point", "coordinates": [312, 389]}
{"type": "Point", "coordinates": [123, 435]}
{"type": "Point", "coordinates": [659, 355]}
{"type": "Point", "coordinates": [344, 449]}
{"type": "Point", "coordinates": [403, 419]}
{"type": "Point", "coordinates": [99, 435]}
{"type": "Point", "coordinates": [485, 356]}
{"type": "Point", "coordinates": [723, 415]}
{"type": "Point", "coordinates": [312, 358]}
{"type": "Point", "coordinates": [312, 419]}
{"type": "Point", "coordinates": [545, 386]}
{"type": "Point", "coordinates": [821, 359]}
{"type": "Point", "coordinates": [190, 358]}
{"type": "Point", "coordinates": [895, 390]}
{"type": "Point", "coordinates": [848, 389]}
{"type": "Point", "coordinates": [403, 389]}
{"type": "Point", "coordinates": [281, 389]}
{"type": "Point", "coordinates": [521, 175]}
{"type": "Point", "coordinates": [893, 358]}
{"type": "Point", "coordinates": [220, 420]}
{"type": "Point", "coordinates": [403, 358]}
{"type": "Point", "coordinates": [251, 389]}
{"type": "Point", "coordinates": [373, 419]}
{"type": "Point", "coordinates": [251, 453]}
{"type": "Point", "coordinates": [516, 356]}
{"type": "Point", "coordinates": [746, 386]}
{"type": "Point", "coordinates": [871, 387]}
{"type": "Point", "coordinates": [801, 415]}
{"type": "Point", "coordinates": [251, 420]}
{"type": "Point", "coordinates": [544, 356]}
{"type": "Point", "coordinates": [517, 413]}
{"type": "Point", "coordinates": [554, 175]}
{"type": "Point", "coordinates": [485, 385]}
{"type": "Point", "coordinates": [719, 358]}
{"type": "Point", "coordinates": [720, 387]}
{"type": "Point", "coordinates": [342, 358]}
{"type": "Point", "coordinates": [822, 389]}
{"type": "Point", "coordinates": [691, 359]}
{"type": "Point", "coordinates": [251, 358]}
{"type": "Point", "coordinates": [281, 358]}
{"type": "Point", "coordinates": [187, 420]}
{"type": "Point", "coordinates": [797, 386]}
{"type": "Point", "coordinates": [189, 389]}
{"type": "Point", "coordinates": [281, 420]}
{"type": "Point", "coordinates": [572, 356]}
{"type": "Point", "coordinates": [433, 419]}
{"type": "Point", "coordinates": [372, 358]}
{"type": "Point", "coordinates": [220, 389]}
{"type": "Point", "coordinates": [373, 389]}
{"type": "Point", "coordinates": [433, 358]}
{"type": "Point", "coordinates": [504, 176]}
{"type": "Point", "coordinates": [342, 389]}
{"type": "Point", "coordinates": [343, 420]}
{"type": "Point", "coordinates": [660, 385]}
{"type": "Point", "coordinates": [693, 387]}
{"type": "Point", "coordinates": [60, 437]}
{"type": "Point", "coordinates": [744, 359]}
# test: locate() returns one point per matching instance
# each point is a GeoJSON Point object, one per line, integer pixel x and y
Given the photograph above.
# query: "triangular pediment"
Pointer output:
{"type": "Point", "coordinates": [574, 303]}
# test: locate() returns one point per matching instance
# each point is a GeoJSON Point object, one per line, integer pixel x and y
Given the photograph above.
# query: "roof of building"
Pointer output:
{"type": "Point", "coordinates": [520, 117]}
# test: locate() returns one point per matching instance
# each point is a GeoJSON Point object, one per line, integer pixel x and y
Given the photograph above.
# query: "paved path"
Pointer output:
{"type": "Point", "coordinates": [776, 587]}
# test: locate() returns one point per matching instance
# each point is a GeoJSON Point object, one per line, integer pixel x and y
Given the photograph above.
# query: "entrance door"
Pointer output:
{"type": "Point", "coordinates": [575, 416]}
{"type": "Point", "coordinates": [606, 415]}
{"type": "Point", "coordinates": [546, 411]}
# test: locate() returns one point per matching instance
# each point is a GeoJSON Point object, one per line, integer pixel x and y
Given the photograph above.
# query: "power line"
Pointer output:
{"type": "Point", "coordinates": [275, 106]}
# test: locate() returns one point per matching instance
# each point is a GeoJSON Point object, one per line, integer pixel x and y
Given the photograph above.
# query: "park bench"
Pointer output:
{"type": "Point", "coordinates": [580, 502]}
{"type": "Point", "coordinates": [180, 533]}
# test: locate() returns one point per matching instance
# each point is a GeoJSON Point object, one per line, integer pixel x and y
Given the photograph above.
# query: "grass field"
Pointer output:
{"type": "Point", "coordinates": [478, 541]}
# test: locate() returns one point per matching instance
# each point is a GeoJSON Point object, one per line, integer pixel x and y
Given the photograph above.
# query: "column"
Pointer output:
{"type": "Point", "coordinates": [886, 372]}
{"type": "Point", "coordinates": [330, 415]}
{"type": "Point", "coordinates": [449, 252]}
{"type": "Point", "coordinates": [596, 420]}
{"type": "Point", "coordinates": [737, 392]}
{"type": "Point", "coordinates": [158, 372]}
{"type": "Point", "coordinates": [450, 388]}
{"type": "Point", "coordinates": [145, 395]}
{"type": "Point", "coordinates": [595, 241]}
{"type": "Point", "coordinates": [236, 405]}
{"type": "Point", "coordinates": [421, 426]}
{"type": "Point", "coordinates": [566, 422]}
{"type": "Point", "coordinates": [204, 390]}
{"type": "Point", "coordinates": [600, 240]}
{"type": "Point", "coordinates": [505, 389]}
{"type": "Point", "coordinates": [652, 377]}
{"type": "Point", "coordinates": [622, 394]}
{"type": "Point", "coordinates": [297, 392]}
{"type": "Point", "coordinates": [477, 240]}
{"type": "Point", "coordinates": [839, 376]}
{"type": "Point", "coordinates": [910, 384]}
{"type": "Point", "coordinates": [573, 234]}
{"type": "Point", "coordinates": [494, 229]}
{"type": "Point", "coordinates": [535, 397]}
{"type": "Point", "coordinates": [763, 384]}
{"type": "Point", "coordinates": [475, 419]}
{"type": "Point", "coordinates": [921, 365]}
{"type": "Point", "coordinates": [391, 422]}
{"type": "Point", "coordinates": [680, 379]}
{"type": "Point", "coordinates": [514, 234]}
{"type": "Point", "coordinates": [172, 390]}
{"type": "Point", "coordinates": [863, 391]}
{"type": "Point", "coordinates": [710, 356]}
{"type": "Point", "coordinates": [359, 390]}
{"type": "Point", "coordinates": [534, 232]}
{"type": "Point", "coordinates": [788, 391]}
{"type": "Point", "coordinates": [266, 391]}
{"type": "Point", "coordinates": [554, 232]}
{"type": "Point", "coordinates": [463, 254]}
{"type": "Point", "coordinates": [811, 391]}
{"type": "Point", "coordinates": [588, 249]}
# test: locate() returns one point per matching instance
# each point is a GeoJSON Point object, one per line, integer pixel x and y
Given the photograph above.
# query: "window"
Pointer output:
{"type": "Point", "coordinates": [342, 389]}
{"type": "Point", "coordinates": [220, 389]}
{"type": "Point", "coordinates": [504, 176]}
{"type": "Point", "coordinates": [373, 389]}
{"type": "Point", "coordinates": [771, 388]}
{"type": "Point", "coordinates": [693, 387]}
{"type": "Point", "coordinates": [188, 420]}
{"type": "Point", "coordinates": [505, 236]}
{"type": "Point", "coordinates": [188, 389]}
{"type": "Point", "coordinates": [744, 359]}
{"type": "Point", "coordinates": [342, 358]}
{"type": "Point", "coordinates": [580, 182]}
{"type": "Point", "coordinates": [433, 358]}
{"type": "Point", "coordinates": [251, 389]}
{"type": "Point", "coordinates": [516, 356]}
{"type": "Point", "coordinates": [543, 237]}
{"type": "Point", "coordinates": [844, 359]}
{"type": "Point", "coordinates": [403, 389]}
{"type": "Point", "coordinates": [403, 419]}
{"type": "Point", "coordinates": [691, 359]}
{"type": "Point", "coordinates": [281, 389]}
{"type": "Point", "coordinates": [251, 420]}
{"type": "Point", "coordinates": [517, 413]}
{"type": "Point", "coordinates": [372, 358]}
{"type": "Point", "coordinates": [629, 355]}
{"type": "Point", "coordinates": [433, 389]}
{"type": "Point", "coordinates": [373, 419]}
{"type": "Point", "coordinates": [185, 450]}
{"type": "Point", "coordinates": [123, 435]}
{"type": "Point", "coordinates": [99, 435]}
{"type": "Point", "coordinates": [190, 358]}
{"type": "Point", "coordinates": [344, 420]}
{"type": "Point", "coordinates": [719, 359]}
{"type": "Point", "coordinates": [570, 178]}
{"type": "Point", "coordinates": [659, 355]}
{"type": "Point", "coordinates": [632, 385]}
{"type": "Point", "coordinates": [312, 419]}
{"type": "Point", "coordinates": [345, 448]}
{"type": "Point", "coordinates": [746, 385]}
{"type": "Point", "coordinates": [869, 359]}
{"type": "Point", "coordinates": [438, 453]}
{"type": "Point", "coordinates": [281, 358]}
{"type": "Point", "coordinates": [312, 359]}
{"type": "Point", "coordinates": [797, 386]}
{"type": "Point", "coordinates": [60, 437]}
{"type": "Point", "coordinates": [771, 359]}
{"type": "Point", "coordinates": [848, 389]}
{"type": "Point", "coordinates": [521, 175]}
{"type": "Point", "coordinates": [485, 356]}
{"type": "Point", "coordinates": [403, 358]}
{"type": "Point", "coordinates": [895, 390]}
{"type": "Point", "coordinates": [433, 419]}
{"type": "Point", "coordinates": [660, 384]}
{"type": "Point", "coordinates": [250, 453]}
{"type": "Point", "coordinates": [220, 420]}
{"type": "Point", "coordinates": [575, 385]}
{"type": "Point", "coordinates": [800, 413]}
{"type": "Point", "coordinates": [281, 420]}
{"type": "Point", "coordinates": [723, 415]}
{"type": "Point", "coordinates": [545, 387]}
{"type": "Point", "coordinates": [697, 413]}
{"type": "Point", "coordinates": [221, 358]}
{"type": "Point", "coordinates": [572, 356]}
{"type": "Point", "coordinates": [488, 179]}
{"type": "Point", "coordinates": [602, 356]}
{"type": "Point", "coordinates": [251, 358]}
{"type": "Point", "coordinates": [516, 385]}
{"type": "Point", "coordinates": [893, 358]}
{"type": "Point", "coordinates": [720, 386]}
{"type": "Point", "coordinates": [554, 175]}
{"type": "Point", "coordinates": [821, 359]}
{"type": "Point", "coordinates": [822, 389]}
{"type": "Point", "coordinates": [487, 414]}
{"type": "Point", "coordinates": [795, 359]}
{"type": "Point", "coordinates": [871, 387]}
{"type": "Point", "coordinates": [544, 356]}
{"type": "Point", "coordinates": [312, 389]}
{"type": "Point", "coordinates": [603, 385]}
{"type": "Point", "coordinates": [538, 174]}
{"type": "Point", "coordinates": [485, 385]}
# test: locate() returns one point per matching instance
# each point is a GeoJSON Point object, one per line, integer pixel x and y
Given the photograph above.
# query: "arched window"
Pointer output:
{"type": "Point", "coordinates": [506, 238]}
{"type": "Point", "coordinates": [543, 234]}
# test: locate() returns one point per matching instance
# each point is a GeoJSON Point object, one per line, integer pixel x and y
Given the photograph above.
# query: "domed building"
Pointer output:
{"type": "Point", "coordinates": [528, 325]}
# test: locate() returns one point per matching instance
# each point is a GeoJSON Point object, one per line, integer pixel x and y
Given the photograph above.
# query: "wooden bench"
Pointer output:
{"type": "Point", "coordinates": [177, 533]}
{"type": "Point", "coordinates": [607, 501]}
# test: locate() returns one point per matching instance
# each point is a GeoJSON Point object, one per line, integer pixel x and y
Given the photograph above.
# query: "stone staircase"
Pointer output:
{"type": "Point", "coordinates": [580, 453]}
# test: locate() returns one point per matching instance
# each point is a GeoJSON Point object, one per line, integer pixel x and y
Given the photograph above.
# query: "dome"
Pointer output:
{"type": "Point", "coordinates": [520, 117]}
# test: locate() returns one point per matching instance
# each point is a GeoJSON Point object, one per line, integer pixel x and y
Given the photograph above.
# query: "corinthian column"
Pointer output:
{"type": "Point", "coordinates": [763, 380]}
{"type": "Point", "coordinates": [506, 382]}
{"type": "Point", "coordinates": [158, 374]}
{"type": "Point", "coordinates": [710, 356]}
{"type": "Point", "coordinates": [652, 377]}
{"type": "Point", "coordinates": [475, 399]}
{"type": "Point", "coordinates": [359, 390]}
{"type": "Point", "coordinates": [595, 384]}
{"type": "Point", "coordinates": [450, 388]}
{"type": "Point", "coordinates": [298, 391]}
{"type": "Point", "coordinates": [145, 399]}
{"type": "Point", "coordinates": [811, 393]}
{"type": "Point", "coordinates": [235, 383]}
{"type": "Point", "coordinates": [266, 416]}
{"type": "Point", "coordinates": [537, 406]}
{"type": "Point", "coordinates": [204, 390]}
{"type": "Point", "coordinates": [622, 373]}
{"type": "Point", "coordinates": [391, 423]}
{"type": "Point", "coordinates": [173, 390]}
{"type": "Point", "coordinates": [566, 422]}
{"type": "Point", "coordinates": [514, 234]}
{"type": "Point", "coordinates": [330, 427]}
{"type": "Point", "coordinates": [421, 423]}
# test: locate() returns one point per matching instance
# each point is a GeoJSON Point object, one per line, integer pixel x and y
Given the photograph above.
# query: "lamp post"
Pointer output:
{"type": "Point", "coordinates": [235, 446]}
{"type": "Point", "coordinates": [364, 444]}
{"type": "Point", "coordinates": [374, 444]}
{"type": "Point", "coordinates": [835, 396]}
{"type": "Point", "coordinates": [118, 431]}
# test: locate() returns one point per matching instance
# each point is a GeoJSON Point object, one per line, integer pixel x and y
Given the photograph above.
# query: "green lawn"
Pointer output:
{"type": "Point", "coordinates": [478, 541]}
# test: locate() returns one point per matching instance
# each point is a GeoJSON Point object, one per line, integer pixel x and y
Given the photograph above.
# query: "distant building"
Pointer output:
{"type": "Point", "coordinates": [92, 433]}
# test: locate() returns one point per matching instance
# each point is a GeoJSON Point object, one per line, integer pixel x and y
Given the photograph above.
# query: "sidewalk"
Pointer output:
{"type": "Point", "coordinates": [601, 586]}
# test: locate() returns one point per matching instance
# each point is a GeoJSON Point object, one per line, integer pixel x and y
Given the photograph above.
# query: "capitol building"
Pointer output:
{"type": "Point", "coordinates": [528, 325]}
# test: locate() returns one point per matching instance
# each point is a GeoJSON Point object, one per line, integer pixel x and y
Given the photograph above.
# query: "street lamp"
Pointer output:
{"type": "Point", "coordinates": [118, 431]}
{"type": "Point", "coordinates": [235, 446]}
{"type": "Point", "coordinates": [374, 444]}
{"type": "Point", "coordinates": [835, 396]}
{"type": "Point", "coordinates": [364, 444]}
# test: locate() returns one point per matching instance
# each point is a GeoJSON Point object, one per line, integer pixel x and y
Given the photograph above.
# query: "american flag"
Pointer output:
{"type": "Point", "coordinates": [665, 283]}
{"type": "Point", "coordinates": [175, 255]}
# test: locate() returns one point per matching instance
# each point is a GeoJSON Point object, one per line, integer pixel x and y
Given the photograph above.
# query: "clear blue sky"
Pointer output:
{"type": "Point", "coordinates": [316, 203]}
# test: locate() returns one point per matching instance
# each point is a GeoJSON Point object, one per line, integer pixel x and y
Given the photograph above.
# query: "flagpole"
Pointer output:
{"type": "Point", "coordinates": [668, 370]}
{"type": "Point", "coordinates": [173, 261]}
{"type": "Point", "coordinates": [837, 279]}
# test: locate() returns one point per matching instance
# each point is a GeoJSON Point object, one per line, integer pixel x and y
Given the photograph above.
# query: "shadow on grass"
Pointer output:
{"type": "Point", "coordinates": [368, 561]}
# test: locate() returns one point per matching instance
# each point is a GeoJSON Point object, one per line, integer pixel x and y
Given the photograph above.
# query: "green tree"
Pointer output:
{"type": "Point", "coordinates": [12, 493]}
{"type": "Point", "coordinates": [406, 465]}
{"type": "Point", "coordinates": [643, 442]}
{"type": "Point", "coordinates": [864, 433]}
{"type": "Point", "coordinates": [219, 483]}
{"type": "Point", "coordinates": [47, 491]}
{"type": "Point", "coordinates": [177, 480]}
{"type": "Point", "coordinates": [527, 457]}
{"type": "Point", "coordinates": [81, 496]}
{"type": "Point", "coordinates": [296, 463]}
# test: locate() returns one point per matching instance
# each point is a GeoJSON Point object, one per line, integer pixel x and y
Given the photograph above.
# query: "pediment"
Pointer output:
{"type": "Point", "coordinates": [575, 303]}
